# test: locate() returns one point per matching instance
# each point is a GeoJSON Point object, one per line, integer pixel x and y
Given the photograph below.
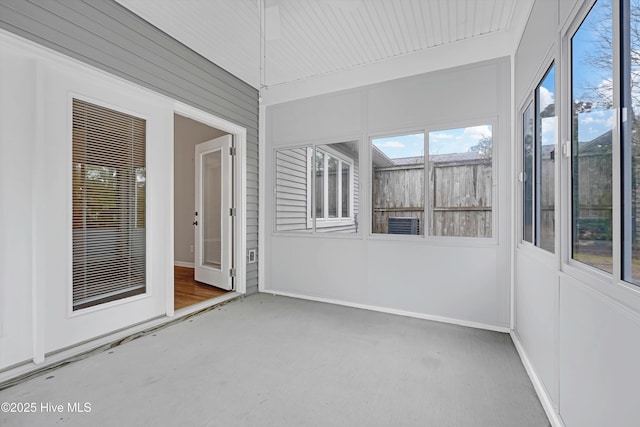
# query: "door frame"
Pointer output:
{"type": "Point", "coordinates": [239, 178]}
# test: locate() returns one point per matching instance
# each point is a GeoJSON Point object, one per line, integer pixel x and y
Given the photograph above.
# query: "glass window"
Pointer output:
{"type": "Point", "coordinates": [592, 125]}
{"type": "Point", "coordinates": [397, 165]}
{"type": "Point", "coordinates": [346, 189]}
{"type": "Point", "coordinates": [332, 187]}
{"type": "Point", "coordinates": [337, 193]}
{"type": "Point", "coordinates": [545, 156]}
{"type": "Point", "coordinates": [108, 204]}
{"type": "Point", "coordinates": [631, 142]}
{"type": "Point", "coordinates": [317, 188]}
{"type": "Point", "coordinates": [319, 183]}
{"type": "Point", "coordinates": [527, 174]}
{"type": "Point", "coordinates": [460, 182]}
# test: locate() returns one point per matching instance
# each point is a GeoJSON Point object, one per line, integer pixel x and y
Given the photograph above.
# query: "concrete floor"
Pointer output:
{"type": "Point", "coordinates": [276, 361]}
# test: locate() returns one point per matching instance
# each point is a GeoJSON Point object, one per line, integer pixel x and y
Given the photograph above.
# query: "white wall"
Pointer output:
{"type": "Point", "coordinates": [35, 214]}
{"type": "Point", "coordinates": [421, 277]}
{"type": "Point", "coordinates": [17, 110]}
{"type": "Point", "coordinates": [576, 327]}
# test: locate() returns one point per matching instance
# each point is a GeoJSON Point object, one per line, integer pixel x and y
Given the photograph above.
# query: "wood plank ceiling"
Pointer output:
{"type": "Point", "coordinates": [306, 38]}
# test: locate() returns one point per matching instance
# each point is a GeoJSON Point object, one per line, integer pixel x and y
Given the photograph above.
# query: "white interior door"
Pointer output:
{"type": "Point", "coordinates": [213, 220]}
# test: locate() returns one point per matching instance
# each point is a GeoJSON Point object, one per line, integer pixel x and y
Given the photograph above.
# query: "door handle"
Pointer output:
{"type": "Point", "coordinates": [195, 222]}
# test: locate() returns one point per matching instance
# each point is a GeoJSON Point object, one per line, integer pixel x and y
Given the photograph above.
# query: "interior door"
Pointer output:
{"type": "Point", "coordinates": [213, 220]}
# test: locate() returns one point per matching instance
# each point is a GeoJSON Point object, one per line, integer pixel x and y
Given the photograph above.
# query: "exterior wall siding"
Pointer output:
{"type": "Point", "coordinates": [108, 36]}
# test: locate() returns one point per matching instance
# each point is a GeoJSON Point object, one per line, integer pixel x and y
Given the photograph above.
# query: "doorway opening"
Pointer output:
{"type": "Point", "coordinates": [204, 215]}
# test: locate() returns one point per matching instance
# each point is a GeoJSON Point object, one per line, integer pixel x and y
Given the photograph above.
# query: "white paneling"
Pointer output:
{"type": "Point", "coordinates": [540, 33]}
{"type": "Point", "coordinates": [17, 111]}
{"type": "Point", "coordinates": [599, 353]}
{"type": "Point", "coordinates": [565, 9]}
{"type": "Point", "coordinates": [322, 118]}
{"type": "Point", "coordinates": [327, 268]}
{"type": "Point", "coordinates": [411, 100]}
{"type": "Point", "coordinates": [536, 301]}
{"type": "Point", "coordinates": [428, 279]}
{"type": "Point", "coordinates": [418, 276]}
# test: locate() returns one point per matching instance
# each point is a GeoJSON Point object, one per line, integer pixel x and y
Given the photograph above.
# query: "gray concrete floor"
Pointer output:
{"type": "Point", "coordinates": [276, 361]}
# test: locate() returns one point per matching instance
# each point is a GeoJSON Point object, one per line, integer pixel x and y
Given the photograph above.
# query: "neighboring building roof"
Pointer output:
{"type": "Point", "coordinates": [438, 158]}
{"type": "Point", "coordinates": [380, 159]}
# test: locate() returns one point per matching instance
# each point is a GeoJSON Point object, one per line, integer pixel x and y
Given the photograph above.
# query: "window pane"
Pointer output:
{"type": "Point", "coordinates": [293, 189]}
{"type": "Point", "coordinates": [108, 204]}
{"type": "Point", "coordinates": [320, 186]}
{"type": "Point", "coordinates": [592, 98]}
{"type": "Point", "coordinates": [341, 189]}
{"type": "Point", "coordinates": [545, 162]}
{"type": "Point", "coordinates": [398, 184]}
{"type": "Point", "coordinates": [631, 144]}
{"type": "Point", "coordinates": [211, 206]}
{"type": "Point", "coordinates": [332, 187]}
{"type": "Point", "coordinates": [346, 189]}
{"type": "Point", "coordinates": [527, 185]}
{"type": "Point", "coordinates": [460, 182]}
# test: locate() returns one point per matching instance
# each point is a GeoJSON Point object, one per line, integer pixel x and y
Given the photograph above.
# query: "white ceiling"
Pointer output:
{"type": "Point", "coordinates": [311, 38]}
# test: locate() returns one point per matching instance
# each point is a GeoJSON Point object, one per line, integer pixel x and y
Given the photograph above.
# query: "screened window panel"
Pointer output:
{"type": "Point", "coordinates": [397, 190]}
{"type": "Point", "coordinates": [592, 138]}
{"type": "Point", "coordinates": [630, 99]}
{"type": "Point", "coordinates": [460, 180]}
{"type": "Point", "coordinates": [109, 189]}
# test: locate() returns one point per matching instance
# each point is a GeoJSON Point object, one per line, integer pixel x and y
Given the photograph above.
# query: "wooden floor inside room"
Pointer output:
{"type": "Point", "coordinates": [187, 291]}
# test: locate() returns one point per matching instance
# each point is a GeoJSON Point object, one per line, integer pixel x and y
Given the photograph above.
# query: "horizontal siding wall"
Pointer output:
{"type": "Point", "coordinates": [291, 189]}
{"type": "Point", "coordinates": [108, 36]}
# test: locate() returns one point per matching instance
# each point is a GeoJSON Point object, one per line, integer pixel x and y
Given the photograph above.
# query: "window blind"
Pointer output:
{"type": "Point", "coordinates": [109, 180]}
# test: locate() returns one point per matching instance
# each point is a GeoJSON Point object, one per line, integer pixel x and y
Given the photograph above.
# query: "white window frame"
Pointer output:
{"type": "Point", "coordinates": [325, 221]}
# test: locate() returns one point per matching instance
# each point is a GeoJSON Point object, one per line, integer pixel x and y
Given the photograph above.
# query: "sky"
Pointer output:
{"type": "Point", "coordinates": [585, 76]}
{"type": "Point", "coordinates": [546, 97]}
{"type": "Point", "coordinates": [440, 142]}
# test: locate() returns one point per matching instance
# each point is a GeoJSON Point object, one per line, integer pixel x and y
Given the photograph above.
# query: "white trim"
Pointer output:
{"type": "Point", "coordinates": [37, 286]}
{"type": "Point", "coordinates": [169, 272]}
{"type": "Point", "coordinates": [325, 220]}
{"type": "Point", "coordinates": [512, 188]}
{"type": "Point", "coordinates": [184, 264]}
{"type": "Point", "coordinates": [441, 319]}
{"type": "Point", "coordinates": [545, 399]}
{"type": "Point", "coordinates": [240, 185]}
{"type": "Point", "coordinates": [262, 195]}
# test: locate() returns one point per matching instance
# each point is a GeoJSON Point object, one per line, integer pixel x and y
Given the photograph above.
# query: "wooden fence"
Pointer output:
{"type": "Point", "coordinates": [460, 197]}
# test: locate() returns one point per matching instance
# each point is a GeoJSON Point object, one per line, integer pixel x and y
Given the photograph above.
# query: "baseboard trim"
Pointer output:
{"type": "Point", "coordinates": [541, 391]}
{"type": "Point", "coordinates": [183, 264]}
{"type": "Point", "coordinates": [440, 319]}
